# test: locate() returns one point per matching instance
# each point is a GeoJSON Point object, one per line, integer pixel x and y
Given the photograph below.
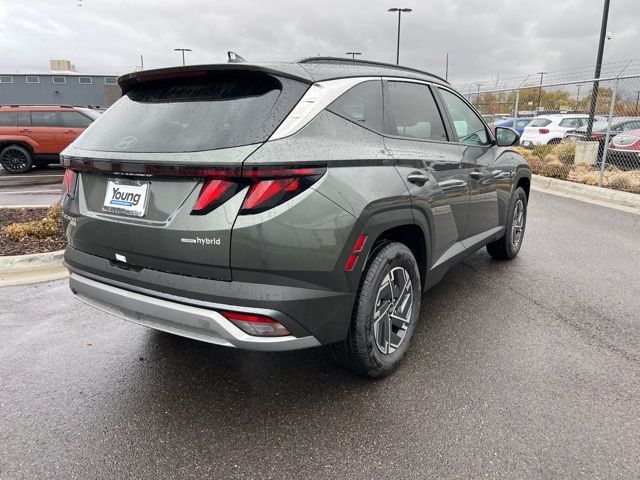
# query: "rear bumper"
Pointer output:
{"type": "Point", "coordinates": [177, 318]}
{"type": "Point", "coordinates": [313, 316]}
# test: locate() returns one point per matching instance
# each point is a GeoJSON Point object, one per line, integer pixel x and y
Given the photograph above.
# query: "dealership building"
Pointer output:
{"type": "Point", "coordinates": [62, 86]}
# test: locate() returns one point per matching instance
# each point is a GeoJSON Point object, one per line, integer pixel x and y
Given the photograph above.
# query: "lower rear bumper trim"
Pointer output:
{"type": "Point", "coordinates": [176, 318]}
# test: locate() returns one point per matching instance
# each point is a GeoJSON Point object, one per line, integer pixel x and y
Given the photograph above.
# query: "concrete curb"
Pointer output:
{"type": "Point", "coordinates": [30, 180]}
{"type": "Point", "coordinates": [628, 202]}
{"type": "Point", "coordinates": [38, 267]}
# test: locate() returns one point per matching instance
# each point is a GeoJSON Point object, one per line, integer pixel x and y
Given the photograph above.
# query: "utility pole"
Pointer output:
{"type": "Point", "coordinates": [596, 84]}
{"type": "Point", "coordinates": [446, 68]}
{"type": "Point", "coordinates": [542, 74]}
{"type": "Point", "coordinates": [182, 50]}
{"type": "Point", "coordinates": [400, 12]}
{"type": "Point", "coordinates": [141, 62]}
{"type": "Point", "coordinates": [635, 111]}
{"type": "Point", "coordinates": [578, 97]}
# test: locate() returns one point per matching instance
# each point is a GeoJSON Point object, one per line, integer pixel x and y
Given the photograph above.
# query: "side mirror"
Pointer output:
{"type": "Point", "coordinates": [506, 137]}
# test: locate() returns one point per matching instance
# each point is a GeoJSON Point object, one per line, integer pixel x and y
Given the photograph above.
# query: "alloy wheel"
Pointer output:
{"type": "Point", "coordinates": [14, 160]}
{"type": "Point", "coordinates": [392, 314]}
{"type": "Point", "coordinates": [517, 225]}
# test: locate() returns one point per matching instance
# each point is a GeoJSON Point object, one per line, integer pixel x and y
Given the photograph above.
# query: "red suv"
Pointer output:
{"type": "Point", "coordinates": [35, 135]}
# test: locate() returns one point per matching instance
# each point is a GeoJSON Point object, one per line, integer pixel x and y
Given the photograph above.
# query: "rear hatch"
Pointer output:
{"type": "Point", "coordinates": [157, 173]}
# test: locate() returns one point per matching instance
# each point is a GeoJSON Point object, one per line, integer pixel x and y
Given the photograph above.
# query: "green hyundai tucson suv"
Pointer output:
{"type": "Point", "coordinates": [284, 206]}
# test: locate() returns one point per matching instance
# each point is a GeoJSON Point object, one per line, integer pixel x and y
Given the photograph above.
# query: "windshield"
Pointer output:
{"type": "Point", "coordinates": [194, 114]}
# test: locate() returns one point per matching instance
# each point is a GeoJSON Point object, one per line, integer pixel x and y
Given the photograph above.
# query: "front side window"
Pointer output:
{"type": "Point", "coordinates": [413, 113]}
{"type": "Point", "coordinates": [631, 126]}
{"type": "Point", "coordinates": [75, 120]}
{"type": "Point", "coordinates": [44, 119]}
{"type": "Point", "coordinates": [469, 127]}
{"type": "Point", "coordinates": [361, 104]}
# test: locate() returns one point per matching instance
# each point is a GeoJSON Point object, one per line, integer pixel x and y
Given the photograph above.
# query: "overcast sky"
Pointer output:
{"type": "Point", "coordinates": [484, 38]}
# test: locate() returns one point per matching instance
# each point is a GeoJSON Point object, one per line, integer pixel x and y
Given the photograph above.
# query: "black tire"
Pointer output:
{"type": "Point", "coordinates": [16, 159]}
{"type": "Point", "coordinates": [361, 352]}
{"type": "Point", "coordinates": [508, 246]}
{"type": "Point", "coordinates": [554, 141]}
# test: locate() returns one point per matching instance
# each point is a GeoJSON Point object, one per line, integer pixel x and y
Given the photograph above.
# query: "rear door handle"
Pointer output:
{"type": "Point", "coordinates": [24, 130]}
{"type": "Point", "coordinates": [476, 175]}
{"type": "Point", "coordinates": [418, 178]}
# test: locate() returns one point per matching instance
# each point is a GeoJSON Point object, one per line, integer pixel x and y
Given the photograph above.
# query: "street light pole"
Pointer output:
{"type": "Point", "coordinates": [578, 98]}
{"type": "Point", "coordinates": [635, 111]}
{"type": "Point", "coordinates": [182, 50]}
{"type": "Point", "coordinates": [353, 54]}
{"type": "Point", "coordinates": [542, 74]}
{"type": "Point", "coordinates": [596, 84]}
{"type": "Point", "coordinates": [478, 97]}
{"type": "Point", "coordinates": [400, 12]}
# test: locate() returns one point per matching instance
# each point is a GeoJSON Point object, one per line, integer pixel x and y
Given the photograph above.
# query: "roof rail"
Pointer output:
{"type": "Point", "coordinates": [372, 63]}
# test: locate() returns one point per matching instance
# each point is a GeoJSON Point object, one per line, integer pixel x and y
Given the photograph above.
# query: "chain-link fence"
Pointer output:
{"type": "Point", "coordinates": [585, 131]}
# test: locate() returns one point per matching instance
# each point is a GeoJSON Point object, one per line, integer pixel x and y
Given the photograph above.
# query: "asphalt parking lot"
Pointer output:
{"type": "Point", "coordinates": [39, 187]}
{"type": "Point", "coordinates": [525, 369]}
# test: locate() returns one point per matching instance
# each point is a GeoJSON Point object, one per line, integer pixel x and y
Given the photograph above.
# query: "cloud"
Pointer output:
{"type": "Point", "coordinates": [484, 39]}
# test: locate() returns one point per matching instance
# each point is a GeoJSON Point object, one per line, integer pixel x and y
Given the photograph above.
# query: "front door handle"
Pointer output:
{"type": "Point", "coordinates": [476, 175]}
{"type": "Point", "coordinates": [418, 178]}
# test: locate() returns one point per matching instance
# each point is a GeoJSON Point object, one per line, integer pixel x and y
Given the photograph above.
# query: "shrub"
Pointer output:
{"type": "Point", "coordinates": [590, 178]}
{"type": "Point", "coordinates": [542, 150]}
{"type": "Point", "coordinates": [619, 180]}
{"type": "Point", "coordinates": [583, 166]}
{"type": "Point", "coordinates": [44, 228]}
{"type": "Point", "coordinates": [536, 164]}
{"type": "Point", "coordinates": [551, 158]}
{"type": "Point", "coordinates": [566, 152]}
{"type": "Point", "coordinates": [555, 169]}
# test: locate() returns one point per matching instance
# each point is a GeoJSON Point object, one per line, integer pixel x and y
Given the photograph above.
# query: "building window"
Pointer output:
{"type": "Point", "coordinates": [110, 81]}
{"type": "Point", "coordinates": [85, 80]}
{"type": "Point", "coordinates": [59, 80]}
{"type": "Point", "coordinates": [6, 79]}
{"type": "Point", "coordinates": [32, 79]}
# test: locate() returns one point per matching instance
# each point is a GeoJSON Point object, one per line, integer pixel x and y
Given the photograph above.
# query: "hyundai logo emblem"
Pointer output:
{"type": "Point", "coordinates": [125, 143]}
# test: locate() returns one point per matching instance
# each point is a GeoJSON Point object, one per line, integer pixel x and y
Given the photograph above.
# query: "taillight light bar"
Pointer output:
{"type": "Point", "coordinates": [268, 185]}
{"type": "Point", "coordinates": [543, 131]}
{"type": "Point", "coordinates": [69, 183]}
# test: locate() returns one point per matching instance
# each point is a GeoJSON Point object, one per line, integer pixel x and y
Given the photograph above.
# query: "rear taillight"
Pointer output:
{"type": "Point", "coordinates": [213, 194]}
{"type": "Point", "coordinates": [597, 136]}
{"type": "Point", "coordinates": [257, 325]}
{"type": "Point", "coordinates": [268, 187]}
{"type": "Point", "coordinates": [543, 131]}
{"type": "Point", "coordinates": [69, 183]}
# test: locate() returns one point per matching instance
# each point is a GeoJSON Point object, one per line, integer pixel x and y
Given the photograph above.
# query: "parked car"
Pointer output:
{"type": "Point", "coordinates": [520, 124]}
{"type": "Point", "coordinates": [624, 150]}
{"type": "Point", "coordinates": [599, 130]}
{"type": "Point", "coordinates": [35, 135]}
{"type": "Point", "coordinates": [550, 129]}
{"type": "Point", "coordinates": [280, 206]}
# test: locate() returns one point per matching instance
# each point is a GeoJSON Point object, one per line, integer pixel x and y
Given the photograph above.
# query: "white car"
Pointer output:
{"type": "Point", "coordinates": [550, 129]}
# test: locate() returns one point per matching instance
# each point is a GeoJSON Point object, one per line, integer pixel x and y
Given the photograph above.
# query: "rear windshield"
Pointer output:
{"type": "Point", "coordinates": [539, 122]}
{"type": "Point", "coordinates": [195, 114]}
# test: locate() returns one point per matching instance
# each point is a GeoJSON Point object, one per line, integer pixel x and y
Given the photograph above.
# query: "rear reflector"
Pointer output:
{"type": "Point", "coordinates": [257, 325]}
{"type": "Point", "coordinates": [355, 253]}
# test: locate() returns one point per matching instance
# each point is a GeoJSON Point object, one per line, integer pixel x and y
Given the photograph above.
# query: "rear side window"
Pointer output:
{"type": "Point", "coordinates": [362, 104]}
{"type": "Point", "coordinates": [24, 119]}
{"type": "Point", "coordinates": [75, 120]}
{"type": "Point", "coordinates": [8, 119]}
{"type": "Point", "coordinates": [539, 122]}
{"type": "Point", "coordinates": [571, 122]}
{"type": "Point", "coordinates": [522, 123]}
{"type": "Point", "coordinates": [412, 112]}
{"type": "Point", "coordinates": [469, 127]}
{"type": "Point", "coordinates": [44, 119]}
{"type": "Point", "coordinates": [219, 110]}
